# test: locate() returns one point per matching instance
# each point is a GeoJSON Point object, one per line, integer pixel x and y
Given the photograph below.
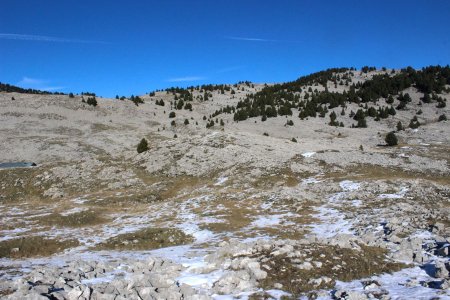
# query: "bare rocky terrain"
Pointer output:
{"type": "Point", "coordinates": [246, 209]}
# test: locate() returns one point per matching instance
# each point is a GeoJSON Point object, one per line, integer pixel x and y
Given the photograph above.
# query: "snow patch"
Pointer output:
{"type": "Point", "coordinates": [221, 180]}
{"type": "Point", "coordinates": [333, 223]}
{"type": "Point", "coordinates": [404, 284]}
{"type": "Point", "coordinates": [202, 281]}
{"type": "Point", "coordinates": [73, 211]}
{"type": "Point", "coordinates": [398, 195]}
{"type": "Point", "coordinates": [79, 200]}
{"type": "Point", "coordinates": [348, 185]}
{"type": "Point", "coordinates": [267, 221]}
{"type": "Point", "coordinates": [310, 180]}
{"type": "Point", "coordinates": [308, 154]}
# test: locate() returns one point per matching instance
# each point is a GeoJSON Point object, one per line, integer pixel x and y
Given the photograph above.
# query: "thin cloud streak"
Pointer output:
{"type": "Point", "coordinates": [248, 39]}
{"type": "Point", "coordinates": [186, 79]}
{"type": "Point", "coordinates": [252, 39]}
{"type": "Point", "coordinates": [30, 81]}
{"type": "Point", "coordinates": [38, 84]}
{"type": "Point", "coordinates": [43, 38]}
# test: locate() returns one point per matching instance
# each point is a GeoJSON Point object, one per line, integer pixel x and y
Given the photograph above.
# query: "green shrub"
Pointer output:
{"type": "Point", "coordinates": [414, 123]}
{"type": "Point", "coordinates": [92, 101]}
{"type": "Point", "coordinates": [391, 139]}
{"type": "Point", "coordinates": [142, 146]}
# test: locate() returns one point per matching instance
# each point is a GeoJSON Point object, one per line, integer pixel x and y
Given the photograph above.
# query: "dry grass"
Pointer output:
{"type": "Point", "coordinates": [146, 239]}
{"type": "Point", "coordinates": [372, 172]}
{"type": "Point", "coordinates": [78, 219]}
{"type": "Point", "coordinates": [34, 246]}
{"type": "Point", "coordinates": [284, 177]}
{"type": "Point", "coordinates": [17, 185]}
{"type": "Point", "coordinates": [353, 265]}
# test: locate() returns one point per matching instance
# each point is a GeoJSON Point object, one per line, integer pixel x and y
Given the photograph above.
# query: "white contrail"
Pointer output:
{"type": "Point", "coordinates": [43, 38]}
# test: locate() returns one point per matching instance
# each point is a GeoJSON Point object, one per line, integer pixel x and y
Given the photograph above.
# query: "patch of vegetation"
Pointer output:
{"type": "Point", "coordinates": [78, 219]}
{"type": "Point", "coordinates": [414, 123]}
{"type": "Point", "coordinates": [19, 185]}
{"type": "Point", "coordinates": [280, 99]}
{"type": "Point", "coordinates": [34, 246]}
{"type": "Point", "coordinates": [142, 146]}
{"type": "Point", "coordinates": [391, 139]}
{"type": "Point", "coordinates": [336, 263]}
{"type": "Point", "coordinates": [136, 100]}
{"type": "Point", "coordinates": [90, 101]}
{"type": "Point", "coordinates": [146, 239]}
{"type": "Point", "coordinates": [4, 87]}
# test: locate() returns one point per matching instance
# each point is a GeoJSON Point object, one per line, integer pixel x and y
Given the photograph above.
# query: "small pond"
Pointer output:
{"type": "Point", "coordinates": [10, 165]}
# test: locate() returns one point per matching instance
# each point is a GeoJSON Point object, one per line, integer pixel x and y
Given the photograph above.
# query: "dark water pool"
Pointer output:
{"type": "Point", "coordinates": [10, 165]}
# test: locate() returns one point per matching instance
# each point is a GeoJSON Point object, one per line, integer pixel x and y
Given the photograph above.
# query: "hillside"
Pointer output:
{"type": "Point", "coordinates": [245, 189]}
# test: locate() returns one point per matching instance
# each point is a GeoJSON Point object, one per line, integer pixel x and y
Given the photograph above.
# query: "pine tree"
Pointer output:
{"type": "Point", "coordinates": [399, 126]}
{"type": "Point", "coordinates": [142, 146]}
{"type": "Point", "coordinates": [442, 118]}
{"type": "Point", "coordinates": [391, 139]}
{"type": "Point", "coordinates": [92, 101]}
{"type": "Point", "coordinates": [414, 123]}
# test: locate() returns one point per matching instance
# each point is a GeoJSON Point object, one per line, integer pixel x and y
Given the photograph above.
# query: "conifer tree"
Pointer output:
{"type": "Point", "coordinates": [142, 146]}
{"type": "Point", "coordinates": [391, 139]}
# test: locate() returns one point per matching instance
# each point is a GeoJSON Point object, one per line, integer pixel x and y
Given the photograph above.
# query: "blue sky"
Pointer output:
{"type": "Point", "coordinates": [133, 47]}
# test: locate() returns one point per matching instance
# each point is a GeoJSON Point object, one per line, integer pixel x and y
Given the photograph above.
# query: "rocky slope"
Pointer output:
{"type": "Point", "coordinates": [250, 209]}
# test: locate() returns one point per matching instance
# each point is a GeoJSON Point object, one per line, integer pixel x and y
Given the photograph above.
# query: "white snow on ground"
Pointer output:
{"type": "Point", "coordinates": [221, 180]}
{"type": "Point", "coordinates": [200, 235]}
{"type": "Point", "coordinates": [404, 284]}
{"type": "Point", "coordinates": [73, 211]}
{"type": "Point", "coordinates": [333, 223]}
{"type": "Point", "coordinates": [11, 234]}
{"type": "Point", "coordinates": [310, 180]}
{"type": "Point", "coordinates": [200, 281]}
{"type": "Point", "coordinates": [190, 221]}
{"type": "Point", "coordinates": [349, 186]}
{"type": "Point", "coordinates": [107, 277]}
{"type": "Point", "coordinates": [275, 294]}
{"type": "Point", "coordinates": [356, 202]}
{"type": "Point", "coordinates": [267, 221]}
{"type": "Point", "coordinates": [308, 154]}
{"type": "Point", "coordinates": [79, 200]}
{"type": "Point", "coordinates": [398, 195]}
{"type": "Point", "coordinates": [240, 296]}
{"type": "Point", "coordinates": [125, 224]}
{"type": "Point", "coordinates": [15, 211]}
